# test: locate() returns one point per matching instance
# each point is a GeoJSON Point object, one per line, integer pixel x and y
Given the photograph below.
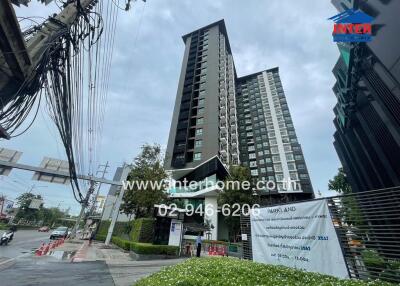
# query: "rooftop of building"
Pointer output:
{"type": "Point", "coordinates": [220, 23]}
{"type": "Point", "coordinates": [274, 69]}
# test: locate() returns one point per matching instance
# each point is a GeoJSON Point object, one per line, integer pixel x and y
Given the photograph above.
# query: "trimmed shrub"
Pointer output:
{"type": "Point", "coordinates": [233, 272]}
{"type": "Point", "coordinates": [145, 248]}
{"type": "Point", "coordinates": [148, 248]}
{"type": "Point", "coordinates": [142, 230]}
{"type": "Point", "coordinates": [121, 229]}
{"type": "Point", "coordinates": [103, 227]}
{"type": "Point", "coordinates": [100, 237]}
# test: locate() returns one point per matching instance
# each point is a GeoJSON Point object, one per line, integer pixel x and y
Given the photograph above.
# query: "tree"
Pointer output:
{"type": "Point", "coordinates": [50, 216]}
{"type": "Point", "coordinates": [147, 170]}
{"type": "Point", "coordinates": [235, 193]}
{"type": "Point", "coordinates": [24, 212]}
{"type": "Point", "coordinates": [339, 183]}
{"type": "Point", "coordinates": [350, 210]}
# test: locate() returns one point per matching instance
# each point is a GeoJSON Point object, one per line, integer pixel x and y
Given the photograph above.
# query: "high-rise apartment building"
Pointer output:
{"type": "Point", "coordinates": [235, 120]}
{"type": "Point", "coordinates": [267, 138]}
{"type": "Point", "coordinates": [367, 114]}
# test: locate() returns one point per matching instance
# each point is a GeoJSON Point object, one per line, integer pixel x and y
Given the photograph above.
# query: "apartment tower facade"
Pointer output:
{"type": "Point", "coordinates": [222, 119]}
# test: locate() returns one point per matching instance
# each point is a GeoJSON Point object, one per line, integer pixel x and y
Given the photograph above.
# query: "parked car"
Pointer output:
{"type": "Point", "coordinates": [59, 232]}
{"type": "Point", "coordinates": [44, 229]}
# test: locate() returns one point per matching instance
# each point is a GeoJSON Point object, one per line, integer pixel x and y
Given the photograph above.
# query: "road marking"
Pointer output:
{"type": "Point", "coordinates": [15, 258]}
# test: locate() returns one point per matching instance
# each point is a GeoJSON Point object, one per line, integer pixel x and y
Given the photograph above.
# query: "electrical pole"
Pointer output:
{"type": "Point", "coordinates": [104, 172]}
{"type": "Point", "coordinates": [22, 57]}
{"type": "Point", "coordinates": [84, 205]}
{"type": "Point", "coordinates": [115, 211]}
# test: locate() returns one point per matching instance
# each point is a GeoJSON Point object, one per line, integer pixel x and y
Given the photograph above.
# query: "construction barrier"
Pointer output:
{"type": "Point", "coordinates": [45, 248]}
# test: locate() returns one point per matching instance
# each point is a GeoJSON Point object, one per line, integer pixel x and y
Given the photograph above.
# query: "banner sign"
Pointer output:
{"type": "Point", "coordinates": [175, 233]}
{"type": "Point", "coordinates": [298, 235]}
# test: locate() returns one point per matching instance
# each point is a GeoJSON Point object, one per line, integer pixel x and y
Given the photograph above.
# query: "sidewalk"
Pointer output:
{"type": "Point", "coordinates": [123, 269]}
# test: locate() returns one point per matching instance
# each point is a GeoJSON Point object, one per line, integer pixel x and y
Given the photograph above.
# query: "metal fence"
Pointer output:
{"type": "Point", "coordinates": [368, 227]}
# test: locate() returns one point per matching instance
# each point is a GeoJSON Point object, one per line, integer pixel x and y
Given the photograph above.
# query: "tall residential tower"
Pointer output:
{"type": "Point", "coordinates": [237, 120]}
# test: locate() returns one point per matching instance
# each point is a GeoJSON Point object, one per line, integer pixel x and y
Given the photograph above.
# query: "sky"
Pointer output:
{"type": "Point", "coordinates": [293, 35]}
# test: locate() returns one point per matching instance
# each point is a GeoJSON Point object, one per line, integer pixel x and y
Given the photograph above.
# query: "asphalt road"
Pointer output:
{"type": "Point", "coordinates": [48, 272]}
{"type": "Point", "coordinates": [22, 245]}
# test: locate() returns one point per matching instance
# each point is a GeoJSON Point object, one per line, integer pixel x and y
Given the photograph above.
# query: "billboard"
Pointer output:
{"type": "Point", "coordinates": [5, 207]}
{"type": "Point", "coordinates": [35, 204]}
{"type": "Point", "coordinates": [10, 156]}
{"type": "Point", "coordinates": [299, 235]}
{"type": "Point", "coordinates": [53, 165]}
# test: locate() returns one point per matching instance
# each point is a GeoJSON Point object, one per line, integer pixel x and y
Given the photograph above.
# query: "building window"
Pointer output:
{"type": "Point", "coordinates": [253, 164]}
{"type": "Point", "coordinates": [298, 157]}
{"type": "Point", "coordinates": [200, 120]}
{"type": "Point", "coordinates": [276, 158]}
{"type": "Point", "coordinates": [289, 157]}
{"type": "Point", "coordinates": [270, 169]}
{"type": "Point", "coordinates": [197, 156]}
{"type": "Point", "coordinates": [291, 166]}
{"type": "Point", "coordinates": [279, 177]}
{"type": "Point", "coordinates": [261, 161]}
{"type": "Point", "coordinates": [201, 101]}
{"type": "Point", "coordinates": [200, 110]}
{"type": "Point", "coordinates": [198, 143]}
{"type": "Point", "coordinates": [274, 150]}
{"type": "Point", "coordinates": [293, 176]}
{"type": "Point", "coordinates": [199, 131]}
{"type": "Point", "coordinates": [252, 155]}
{"type": "Point", "coordinates": [254, 172]}
{"type": "Point", "coordinates": [303, 176]}
{"type": "Point", "coordinates": [287, 148]}
{"type": "Point", "coordinates": [251, 148]}
{"type": "Point", "coordinates": [278, 167]}
{"type": "Point", "coordinates": [262, 170]}
{"type": "Point", "coordinates": [273, 142]}
{"type": "Point", "coordinates": [301, 166]}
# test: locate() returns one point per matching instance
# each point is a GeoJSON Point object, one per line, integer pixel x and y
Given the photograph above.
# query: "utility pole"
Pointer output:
{"type": "Point", "coordinates": [117, 205]}
{"type": "Point", "coordinates": [84, 205]}
{"type": "Point", "coordinates": [22, 57]}
{"type": "Point", "coordinates": [104, 172]}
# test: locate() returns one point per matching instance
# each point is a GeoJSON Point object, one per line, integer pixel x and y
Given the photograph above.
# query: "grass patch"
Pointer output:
{"type": "Point", "coordinates": [234, 272]}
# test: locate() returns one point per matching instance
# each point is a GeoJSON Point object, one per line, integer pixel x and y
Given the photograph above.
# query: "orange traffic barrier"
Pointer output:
{"type": "Point", "coordinates": [46, 249]}
{"type": "Point", "coordinates": [39, 251]}
{"type": "Point", "coordinates": [215, 249]}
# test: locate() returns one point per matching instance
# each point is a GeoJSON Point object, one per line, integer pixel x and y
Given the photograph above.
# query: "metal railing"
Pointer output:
{"type": "Point", "coordinates": [368, 228]}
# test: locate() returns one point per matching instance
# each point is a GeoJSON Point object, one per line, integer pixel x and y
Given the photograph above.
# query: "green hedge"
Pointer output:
{"type": "Point", "coordinates": [100, 237]}
{"type": "Point", "coordinates": [103, 227]}
{"type": "Point", "coordinates": [121, 229]}
{"type": "Point", "coordinates": [142, 230]}
{"type": "Point", "coordinates": [145, 248]}
{"type": "Point", "coordinates": [234, 272]}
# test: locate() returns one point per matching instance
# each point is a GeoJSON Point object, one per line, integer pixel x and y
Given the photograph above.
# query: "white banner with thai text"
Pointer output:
{"type": "Point", "coordinates": [299, 235]}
